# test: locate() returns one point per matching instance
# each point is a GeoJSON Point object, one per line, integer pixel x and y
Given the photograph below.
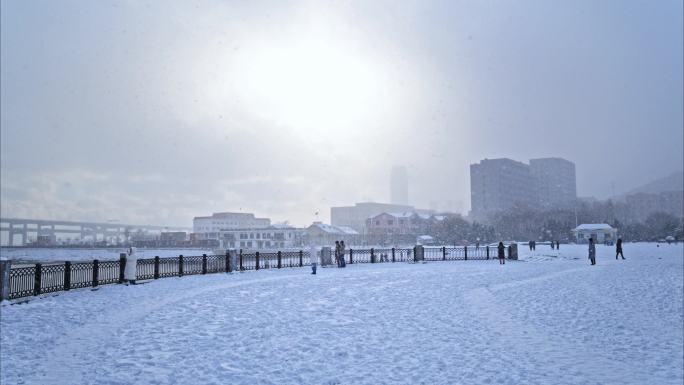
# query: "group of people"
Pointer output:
{"type": "Point", "coordinates": [592, 250]}
{"type": "Point", "coordinates": [339, 254]}
{"type": "Point", "coordinates": [554, 245]}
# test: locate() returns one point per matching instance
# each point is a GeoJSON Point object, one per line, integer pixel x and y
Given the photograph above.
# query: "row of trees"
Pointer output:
{"type": "Point", "coordinates": [521, 223]}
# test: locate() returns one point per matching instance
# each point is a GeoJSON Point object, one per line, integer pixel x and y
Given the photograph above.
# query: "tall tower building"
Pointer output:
{"type": "Point", "coordinates": [399, 186]}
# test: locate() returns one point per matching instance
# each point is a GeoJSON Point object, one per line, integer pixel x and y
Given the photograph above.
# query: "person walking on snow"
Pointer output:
{"type": "Point", "coordinates": [343, 263]}
{"type": "Point", "coordinates": [592, 251]}
{"type": "Point", "coordinates": [313, 258]}
{"type": "Point", "coordinates": [130, 269]}
{"type": "Point", "coordinates": [501, 253]}
{"type": "Point", "coordinates": [618, 249]}
{"type": "Point", "coordinates": [337, 253]}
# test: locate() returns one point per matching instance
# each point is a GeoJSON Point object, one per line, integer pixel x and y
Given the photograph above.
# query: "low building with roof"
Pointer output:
{"type": "Point", "coordinates": [322, 234]}
{"type": "Point", "coordinates": [601, 232]}
{"type": "Point", "coordinates": [399, 227]}
{"type": "Point", "coordinates": [257, 238]}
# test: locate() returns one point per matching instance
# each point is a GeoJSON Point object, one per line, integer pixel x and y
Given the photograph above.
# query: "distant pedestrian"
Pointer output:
{"type": "Point", "coordinates": [618, 249]}
{"type": "Point", "coordinates": [529, 244]}
{"type": "Point", "coordinates": [592, 251]}
{"type": "Point", "coordinates": [337, 253]}
{"type": "Point", "coordinates": [313, 257]}
{"type": "Point", "coordinates": [534, 245]}
{"type": "Point", "coordinates": [477, 245]}
{"type": "Point", "coordinates": [501, 250]}
{"type": "Point", "coordinates": [343, 263]}
{"type": "Point", "coordinates": [557, 245]}
{"type": "Point", "coordinates": [552, 245]}
{"type": "Point", "coordinates": [131, 266]}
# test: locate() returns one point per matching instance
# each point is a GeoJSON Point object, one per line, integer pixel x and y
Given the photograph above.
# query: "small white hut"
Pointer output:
{"type": "Point", "coordinates": [601, 232]}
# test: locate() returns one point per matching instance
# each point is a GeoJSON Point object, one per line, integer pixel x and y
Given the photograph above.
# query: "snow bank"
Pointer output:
{"type": "Point", "coordinates": [549, 318]}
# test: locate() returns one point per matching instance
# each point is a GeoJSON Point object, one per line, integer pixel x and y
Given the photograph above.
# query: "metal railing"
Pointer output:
{"type": "Point", "coordinates": [26, 281]}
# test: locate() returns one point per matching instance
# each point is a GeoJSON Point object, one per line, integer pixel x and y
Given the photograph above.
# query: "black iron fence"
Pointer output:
{"type": "Point", "coordinates": [26, 281]}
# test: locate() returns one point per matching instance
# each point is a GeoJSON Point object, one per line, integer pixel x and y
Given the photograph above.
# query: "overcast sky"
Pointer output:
{"type": "Point", "coordinates": [155, 112]}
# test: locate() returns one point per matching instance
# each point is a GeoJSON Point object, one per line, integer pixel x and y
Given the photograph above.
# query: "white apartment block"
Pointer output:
{"type": "Point", "coordinates": [271, 237]}
{"type": "Point", "coordinates": [209, 227]}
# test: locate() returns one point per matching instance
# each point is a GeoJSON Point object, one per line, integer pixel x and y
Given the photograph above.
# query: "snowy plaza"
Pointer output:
{"type": "Point", "coordinates": [549, 318]}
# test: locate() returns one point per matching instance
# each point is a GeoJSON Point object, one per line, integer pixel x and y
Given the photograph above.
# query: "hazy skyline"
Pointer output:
{"type": "Point", "coordinates": [156, 112]}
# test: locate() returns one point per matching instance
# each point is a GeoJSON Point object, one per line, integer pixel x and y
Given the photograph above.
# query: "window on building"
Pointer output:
{"type": "Point", "coordinates": [390, 223]}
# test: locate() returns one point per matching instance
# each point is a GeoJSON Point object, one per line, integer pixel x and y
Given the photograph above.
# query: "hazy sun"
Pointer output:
{"type": "Point", "coordinates": [318, 88]}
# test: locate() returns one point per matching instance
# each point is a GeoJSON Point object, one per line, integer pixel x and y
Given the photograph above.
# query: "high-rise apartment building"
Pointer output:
{"type": "Point", "coordinates": [500, 184]}
{"type": "Point", "coordinates": [555, 182]}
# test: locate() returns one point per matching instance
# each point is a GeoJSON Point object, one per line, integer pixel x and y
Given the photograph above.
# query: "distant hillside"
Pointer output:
{"type": "Point", "coordinates": [672, 182]}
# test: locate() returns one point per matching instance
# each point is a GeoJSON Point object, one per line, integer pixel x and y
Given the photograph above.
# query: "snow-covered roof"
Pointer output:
{"type": "Point", "coordinates": [425, 238]}
{"type": "Point", "coordinates": [348, 230]}
{"type": "Point", "coordinates": [406, 214]}
{"type": "Point", "coordinates": [330, 229]}
{"type": "Point", "coordinates": [593, 226]}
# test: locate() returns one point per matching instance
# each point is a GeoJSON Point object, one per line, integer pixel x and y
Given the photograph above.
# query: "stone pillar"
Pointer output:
{"type": "Point", "coordinates": [326, 256]}
{"type": "Point", "coordinates": [5, 267]}
{"type": "Point", "coordinates": [419, 253]}
{"type": "Point", "coordinates": [513, 254]}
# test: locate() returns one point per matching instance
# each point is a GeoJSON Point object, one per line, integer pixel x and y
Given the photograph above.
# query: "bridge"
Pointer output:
{"type": "Point", "coordinates": [19, 231]}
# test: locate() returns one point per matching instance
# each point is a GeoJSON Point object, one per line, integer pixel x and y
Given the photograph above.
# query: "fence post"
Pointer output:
{"type": "Point", "coordinates": [180, 265]}
{"type": "Point", "coordinates": [96, 272]}
{"type": "Point", "coordinates": [204, 264]}
{"type": "Point", "coordinates": [443, 253]}
{"type": "Point", "coordinates": [122, 266]}
{"type": "Point", "coordinates": [351, 256]}
{"type": "Point", "coordinates": [393, 255]}
{"type": "Point", "coordinates": [228, 267]}
{"type": "Point", "coordinates": [372, 256]}
{"type": "Point", "coordinates": [487, 251]}
{"type": "Point", "coordinates": [156, 267]}
{"type": "Point", "coordinates": [241, 266]}
{"type": "Point", "coordinates": [280, 256]}
{"type": "Point", "coordinates": [5, 267]}
{"type": "Point", "coordinates": [36, 280]}
{"type": "Point", "coordinates": [257, 260]}
{"type": "Point", "coordinates": [67, 275]}
{"type": "Point", "coordinates": [301, 258]}
{"type": "Point", "coordinates": [465, 252]}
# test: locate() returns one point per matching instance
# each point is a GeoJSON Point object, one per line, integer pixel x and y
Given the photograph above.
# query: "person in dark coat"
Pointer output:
{"type": "Point", "coordinates": [343, 263]}
{"type": "Point", "coordinates": [592, 251]}
{"type": "Point", "coordinates": [501, 253]}
{"type": "Point", "coordinates": [618, 249]}
{"type": "Point", "coordinates": [557, 245]}
{"type": "Point", "coordinates": [337, 253]}
{"type": "Point", "coordinates": [530, 245]}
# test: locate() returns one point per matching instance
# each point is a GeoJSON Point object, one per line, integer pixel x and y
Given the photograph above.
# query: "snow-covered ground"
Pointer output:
{"type": "Point", "coordinates": [548, 319]}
